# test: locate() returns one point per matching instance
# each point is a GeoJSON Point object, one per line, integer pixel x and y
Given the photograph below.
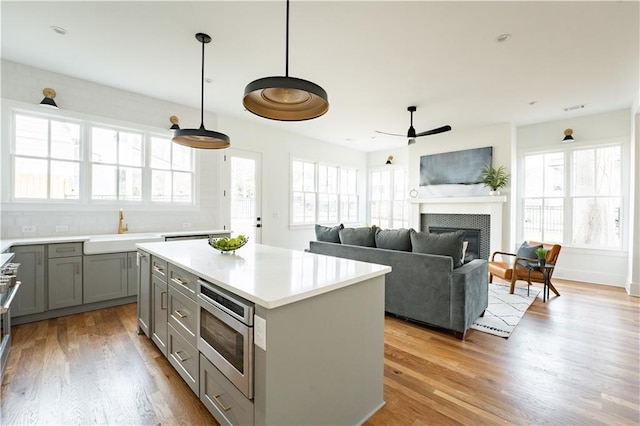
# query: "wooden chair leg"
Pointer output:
{"type": "Point", "coordinates": [490, 278]}
{"type": "Point", "coordinates": [513, 285]}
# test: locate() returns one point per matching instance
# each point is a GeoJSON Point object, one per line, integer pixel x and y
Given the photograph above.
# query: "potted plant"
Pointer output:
{"type": "Point", "coordinates": [542, 256]}
{"type": "Point", "coordinates": [494, 178]}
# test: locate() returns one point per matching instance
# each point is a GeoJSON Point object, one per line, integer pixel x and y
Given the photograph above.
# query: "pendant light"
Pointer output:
{"type": "Point", "coordinates": [201, 138]}
{"type": "Point", "coordinates": [285, 98]}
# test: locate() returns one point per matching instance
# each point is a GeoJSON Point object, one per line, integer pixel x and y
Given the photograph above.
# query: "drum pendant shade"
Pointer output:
{"type": "Point", "coordinates": [285, 98]}
{"type": "Point", "coordinates": [201, 137]}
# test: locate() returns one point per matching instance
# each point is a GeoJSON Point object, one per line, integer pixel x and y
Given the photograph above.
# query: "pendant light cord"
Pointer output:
{"type": "Point", "coordinates": [202, 91]}
{"type": "Point", "coordinates": [286, 71]}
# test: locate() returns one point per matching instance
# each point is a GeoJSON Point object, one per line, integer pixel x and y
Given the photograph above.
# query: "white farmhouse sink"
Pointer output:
{"type": "Point", "coordinates": [117, 243]}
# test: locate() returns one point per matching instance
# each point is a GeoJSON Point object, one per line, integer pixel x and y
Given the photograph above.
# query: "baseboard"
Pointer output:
{"type": "Point", "coordinates": [633, 289]}
{"type": "Point", "coordinates": [603, 278]}
{"type": "Point", "coordinates": [23, 319]}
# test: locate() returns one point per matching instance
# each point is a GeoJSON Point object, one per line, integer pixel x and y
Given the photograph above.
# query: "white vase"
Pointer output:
{"type": "Point", "coordinates": [496, 192]}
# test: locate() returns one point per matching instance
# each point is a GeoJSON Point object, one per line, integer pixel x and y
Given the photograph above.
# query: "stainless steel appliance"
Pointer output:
{"type": "Point", "coordinates": [225, 334]}
{"type": "Point", "coordinates": [8, 289]}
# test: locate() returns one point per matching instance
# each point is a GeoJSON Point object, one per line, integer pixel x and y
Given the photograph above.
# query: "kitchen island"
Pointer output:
{"type": "Point", "coordinates": [319, 352]}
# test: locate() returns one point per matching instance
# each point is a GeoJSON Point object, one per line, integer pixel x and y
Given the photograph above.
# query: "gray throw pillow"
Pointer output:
{"type": "Point", "coordinates": [328, 234]}
{"type": "Point", "coordinates": [445, 244]}
{"type": "Point", "coordinates": [359, 236]}
{"type": "Point", "coordinates": [393, 239]}
{"type": "Point", "coordinates": [527, 251]}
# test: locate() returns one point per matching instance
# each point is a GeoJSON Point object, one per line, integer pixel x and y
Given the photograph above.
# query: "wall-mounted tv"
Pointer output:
{"type": "Point", "coordinates": [456, 167]}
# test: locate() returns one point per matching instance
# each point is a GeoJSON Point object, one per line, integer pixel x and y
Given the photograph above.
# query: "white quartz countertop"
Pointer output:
{"type": "Point", "coordinates": [267, 276]}
{"type": "Point", "coordinates": [5, 244]}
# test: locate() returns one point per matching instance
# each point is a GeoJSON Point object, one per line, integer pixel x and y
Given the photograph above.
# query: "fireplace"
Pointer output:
{"type": "Point", "coordinates": [477, 229]}
{"type": "Point", "coordinates": [483, 213]}
{"type": "Point", "coordinates": [471, 236]}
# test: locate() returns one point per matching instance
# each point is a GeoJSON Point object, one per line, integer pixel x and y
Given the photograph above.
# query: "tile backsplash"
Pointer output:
{"type": "Point", "coordinates": [46, 224]}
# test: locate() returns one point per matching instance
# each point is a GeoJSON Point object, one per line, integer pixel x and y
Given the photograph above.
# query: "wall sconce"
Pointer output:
{"type": "Point", "coordinates": [567, 136]}
{"type": "Point", "coordinates": [48, 101]}
{"type": "Point", "coordinates": [174, 123]}
{"type": "Point", "coordinates": [389, 159]}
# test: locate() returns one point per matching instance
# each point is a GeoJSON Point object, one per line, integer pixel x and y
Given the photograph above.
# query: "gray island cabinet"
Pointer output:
{"type": "Point", "coordinates": [318, 356]}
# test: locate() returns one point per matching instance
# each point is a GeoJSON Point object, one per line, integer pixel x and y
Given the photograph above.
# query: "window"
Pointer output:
{"type": "Point", "coordinates": [323, 193]}
{"type": "Point", "coordinates": [574, 196]}
{"type": "Point", "coordinates": [116, 170]}
{"type": "Point", "coordinates": [47, 158]}
{"type": "Point", "coordinates": [389, 208]}
{"type": "Point", "coordinates": [64, 159]}
{"type": "Point", "coordinates": [171, 172]}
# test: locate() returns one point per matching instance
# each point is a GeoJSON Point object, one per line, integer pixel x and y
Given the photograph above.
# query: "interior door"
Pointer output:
{"type": "Point", "coordinates": [245, 191]}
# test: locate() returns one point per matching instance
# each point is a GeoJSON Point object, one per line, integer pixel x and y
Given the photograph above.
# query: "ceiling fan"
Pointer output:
{"type": "Point", "coordinates": [411, 133]}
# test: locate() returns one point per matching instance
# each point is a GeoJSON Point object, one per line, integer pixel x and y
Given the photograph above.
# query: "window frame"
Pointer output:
{"type": "Point", "coordinates": [85, 201]}
{"type": "Point", "coordinates": [13, 155]}
{"type": "Point", "coordinates": [317, 194]}
{"type": "Point", "coordinates": [392, 200]}
{"type": "Point", "coordinates": [569, 191]}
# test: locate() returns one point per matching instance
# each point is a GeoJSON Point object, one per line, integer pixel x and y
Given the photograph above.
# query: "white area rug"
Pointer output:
{"type": "Point", "coordinates": [504, 310]}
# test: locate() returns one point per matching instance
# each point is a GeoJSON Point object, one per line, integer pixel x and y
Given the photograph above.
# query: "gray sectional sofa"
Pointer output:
{"type": "Point", "coordinates": [421, 287]}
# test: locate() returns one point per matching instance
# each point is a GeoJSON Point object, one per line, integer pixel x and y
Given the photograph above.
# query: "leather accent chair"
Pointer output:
{"type": "Point", "coordinates": [508, 268]}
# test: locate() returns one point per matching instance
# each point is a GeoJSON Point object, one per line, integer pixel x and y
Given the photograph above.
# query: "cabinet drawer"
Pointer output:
{"type": "Point", "coordinates": [183, 315]}
{"type": "Point", "coordinates": [223, 400]}
{"type": "Point", "coordinates": [184, 281]}
{"type": "Point", "coordinates": [159, 267]}
{"type": "Point", "coordinates": [185, 359]}
{"type": "Point", "coordinates": [64, 250]}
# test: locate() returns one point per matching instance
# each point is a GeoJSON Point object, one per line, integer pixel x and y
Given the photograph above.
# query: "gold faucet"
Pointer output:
{"type": "Point", "coordinates": [122, 228]}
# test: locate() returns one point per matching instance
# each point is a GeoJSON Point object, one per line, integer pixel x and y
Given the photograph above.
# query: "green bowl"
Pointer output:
{"type": "Point", "coordinates": [215, 243]}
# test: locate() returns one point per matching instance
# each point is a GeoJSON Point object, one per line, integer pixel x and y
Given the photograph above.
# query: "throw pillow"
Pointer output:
{"type": "Point", "coordinates": [445, 244]}
{"type": "Point", "coordinates": [359, 236]}
{"type": "Point", "coordinates": [327, 234]}
{"type": "Point", "coordinates": [465, 244]}
{"type": "Point", "coordinates": [527, 251]}
{"type": "Point", "coordinates": [393, 239]}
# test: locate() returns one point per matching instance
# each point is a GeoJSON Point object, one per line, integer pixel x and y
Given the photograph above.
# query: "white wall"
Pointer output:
{"type": "Point", "coordinates": [23, 84]}
{"type": "Point", "coordinates": [595, 266]}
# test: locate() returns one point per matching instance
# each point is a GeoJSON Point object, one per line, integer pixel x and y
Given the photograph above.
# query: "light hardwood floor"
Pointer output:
{"type": "Point", "coordinates": [574, 360]}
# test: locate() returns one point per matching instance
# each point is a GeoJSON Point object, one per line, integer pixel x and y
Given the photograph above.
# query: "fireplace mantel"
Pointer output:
{"type": "Point", "coordinates": [460, 200]}
{"type": "Point", "coordinates": [489, 205]}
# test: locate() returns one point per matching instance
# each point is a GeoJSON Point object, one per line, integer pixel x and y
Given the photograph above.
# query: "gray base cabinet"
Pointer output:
{"type": "Point", "coordinates": [105, 277]}
{"type": "Point", "coordinates": [31, 297]}
{"type": "Point", "coordinates": [224, 401]}
{"type": "Point", "coordinates": [144, 293]}
{"type": "Point", "coordinates": [159, 304]}
{"type": "Point", "coordinates": [132, 274]}
{"type": "Point", "coordinates": [65, 282]}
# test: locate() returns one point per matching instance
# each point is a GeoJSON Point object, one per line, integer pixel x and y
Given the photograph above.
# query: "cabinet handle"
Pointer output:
{"type": "Point", "coordinates": [217, 400]}
{"type": "Point", "coordinates": [141, 255]}
{"type": "Point", "coordinates": [123, 263]}
{"type": "Point", "coordinates": [158, 269]}
{"type": "Point", "coordinates": [180, 314]}
{"type": "Point", "coordinates": [162, 303]}
{"type": "Point", "coordinates": [77, 268]}
{"type": "Point", "coordinates": [39, 257]}
{"type": "Point", "coordinates": [180, 358]}
{"type": "Point", "coordinates": [179, 281]}
{"type": "Point", "coordinates": [64, 250]}
{"type": "Point", "coordinates": [128, 262]}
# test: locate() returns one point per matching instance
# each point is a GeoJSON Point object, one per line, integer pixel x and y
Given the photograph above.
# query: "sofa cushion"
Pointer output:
{"type": "Point", "coordinates": [445, 244]}
{"type": "Point", "coordinates": [527, 251]}
{"type": "Point", "coordinates": [393, 239]}
{"type": "Point", "coordinates": [364, 236]}
{"type": "Point", "coordinates": [328, 234]}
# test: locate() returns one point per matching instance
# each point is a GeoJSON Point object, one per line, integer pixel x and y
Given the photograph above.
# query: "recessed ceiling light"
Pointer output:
{"type": "Point", "coordinates": [59, 30]}
{"type": "Point", "coordinates": [208, 80]}
{"type": "Point", "coordinates": [503, 37]}
{"type": "Point", "coordinates": [573, 108]}
{"type": "Point", "coordinates": [533, 102]}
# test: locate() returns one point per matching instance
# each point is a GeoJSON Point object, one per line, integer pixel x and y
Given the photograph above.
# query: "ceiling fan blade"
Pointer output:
{"type": "Point", "coordinates": [390, 134]}
{"type": "Point", "coordinates": [434, 131]}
